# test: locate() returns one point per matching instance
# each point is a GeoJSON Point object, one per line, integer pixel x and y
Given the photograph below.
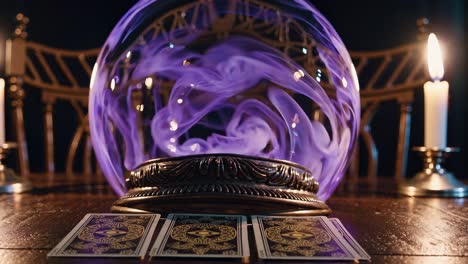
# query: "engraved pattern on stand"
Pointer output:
{"type": "Point", "coordinates": [222, 168]}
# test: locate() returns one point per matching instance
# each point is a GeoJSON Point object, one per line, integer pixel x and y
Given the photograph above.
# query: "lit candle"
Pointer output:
{"type": "Point", "coordinates": [2, 111]}
{"type": "Point", "coordinates": [435, 98]}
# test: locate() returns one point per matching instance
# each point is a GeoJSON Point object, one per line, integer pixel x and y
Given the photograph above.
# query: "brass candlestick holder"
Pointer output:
{"type": "Point", "coordinates": [9, 181]}
{"type": "Point", "coordinates": [434, 180]}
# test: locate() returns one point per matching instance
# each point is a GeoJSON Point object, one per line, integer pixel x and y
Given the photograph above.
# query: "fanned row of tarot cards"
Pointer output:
{"type": "Point", "coordinates": [210, 236]}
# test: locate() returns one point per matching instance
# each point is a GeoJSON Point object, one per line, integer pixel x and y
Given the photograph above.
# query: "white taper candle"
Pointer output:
{"type": "Point", "coordinates": [435, 98]}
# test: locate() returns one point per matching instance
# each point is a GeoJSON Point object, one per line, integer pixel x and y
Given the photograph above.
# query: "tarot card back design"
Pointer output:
{"type": "Point", "coordinates": [192, 235]}
{"type": "Point", "coordinates": [279, 237]}
{"type": "Point", "coordinates": [108, 235]}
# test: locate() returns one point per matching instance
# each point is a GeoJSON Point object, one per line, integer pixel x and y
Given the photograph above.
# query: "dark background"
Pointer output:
{"type": "Point", "coordinates": [363, 25]}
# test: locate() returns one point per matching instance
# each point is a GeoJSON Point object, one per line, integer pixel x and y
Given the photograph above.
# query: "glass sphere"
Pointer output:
{"type": "Point", "coordinates": [260, 78]}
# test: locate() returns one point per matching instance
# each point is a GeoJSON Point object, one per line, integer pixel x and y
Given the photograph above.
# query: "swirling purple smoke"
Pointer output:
{"type": "Point", "coordinates": [165, 93]}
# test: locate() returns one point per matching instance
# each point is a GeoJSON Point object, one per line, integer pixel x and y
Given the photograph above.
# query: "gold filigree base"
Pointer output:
{"type": "Point", "coordinates": [434, 180]}
{"type": "Point", "coordinates": [221, 183]}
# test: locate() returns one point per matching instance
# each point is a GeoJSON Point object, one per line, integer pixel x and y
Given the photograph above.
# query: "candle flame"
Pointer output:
{"type": "Point", "coordinates": [434, 58]}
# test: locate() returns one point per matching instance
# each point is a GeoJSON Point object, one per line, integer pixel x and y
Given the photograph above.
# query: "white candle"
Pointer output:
{"type": "Point", "coordinates": [435, 98]}
{"type": "Point", "coordinates": [2, 111]}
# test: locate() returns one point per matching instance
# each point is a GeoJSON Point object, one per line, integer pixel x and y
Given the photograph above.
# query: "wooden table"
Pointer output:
{"type": "Point", "coordinates": [392, 229]}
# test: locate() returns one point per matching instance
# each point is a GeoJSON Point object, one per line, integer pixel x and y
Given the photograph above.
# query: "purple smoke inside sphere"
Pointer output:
{"type": "Point", "coordinates": [240, 91]}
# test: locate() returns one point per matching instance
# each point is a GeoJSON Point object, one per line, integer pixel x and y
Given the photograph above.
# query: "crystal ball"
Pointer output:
{"type": "Point", "coordinates": [267, 79]}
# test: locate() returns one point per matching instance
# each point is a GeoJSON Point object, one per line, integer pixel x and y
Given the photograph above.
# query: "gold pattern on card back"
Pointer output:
{"type": "Point", "coordinates": [201, 238]}
{"type": "Point", "coordinates": [108, 235]}
{"type": "Point", "coordinates": [298, 238]}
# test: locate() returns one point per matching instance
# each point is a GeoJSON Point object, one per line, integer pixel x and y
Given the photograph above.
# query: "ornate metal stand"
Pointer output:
{"type": "Point", "coordinates": [221, 183]}
{"type": "Point", "coordinates": [434, 180]}
{"type": "Point", "coordinates": [9, 181]}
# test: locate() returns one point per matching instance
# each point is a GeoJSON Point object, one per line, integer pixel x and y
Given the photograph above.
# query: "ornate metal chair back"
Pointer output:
{"type": "Point", "coordinates": [392, 75]}
{"type": "Point", "coordinates": [61, 76]}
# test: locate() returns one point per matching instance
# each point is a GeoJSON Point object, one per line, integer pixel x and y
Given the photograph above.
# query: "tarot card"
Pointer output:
{"type": "Point", "coordinates": [347, 236]}
{"type": "Point", "coordinates": [307, 238]}
{"type": "Point", "coordinates": [202, 235]}
{"type": "Point", "coordinates": [108, 235]}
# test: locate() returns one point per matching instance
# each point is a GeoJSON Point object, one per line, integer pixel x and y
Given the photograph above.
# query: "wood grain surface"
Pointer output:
{"type": "Point", "coordinates": [392, 228]}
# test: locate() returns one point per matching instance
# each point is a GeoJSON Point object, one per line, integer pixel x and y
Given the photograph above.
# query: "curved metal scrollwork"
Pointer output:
{"type": "Point", "coordinates": [221, 182]}
{"type": "Point", "coordinates": [221, 168]}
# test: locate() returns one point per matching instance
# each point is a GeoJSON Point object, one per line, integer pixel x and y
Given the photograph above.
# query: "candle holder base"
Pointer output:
{"type": "Point", "coordinates": [9, 181]}
{"type": "Point", "coordinates": [434, 180]}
